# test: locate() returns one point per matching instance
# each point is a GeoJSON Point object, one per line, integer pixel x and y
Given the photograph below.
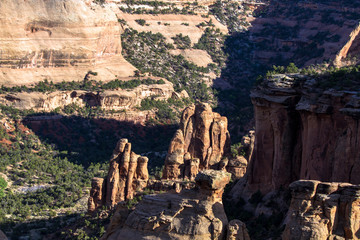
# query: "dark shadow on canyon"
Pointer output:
{"type": "Point", "coordinates": [92, 140]}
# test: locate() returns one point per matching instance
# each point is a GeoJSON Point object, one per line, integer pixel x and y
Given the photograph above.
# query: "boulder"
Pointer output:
{"type": "Point", "coordinates": [237, 167]}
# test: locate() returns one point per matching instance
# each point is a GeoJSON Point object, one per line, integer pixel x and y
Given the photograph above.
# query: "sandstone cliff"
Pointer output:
{"type": "Point", "coordinates": [119, 99]}
{"type": "Point", "coordinates": [200, 143]}
{"type": "Point", "coordinates": [303, 133]}
{"type": "Point", "coordinates": [127, 173]}
{"type": "Point", "coordinates": [323, 211]}
{"type": "Point", "coordinates": [59, 40]}
{"type": "Point", "coordinates": [193, 214]}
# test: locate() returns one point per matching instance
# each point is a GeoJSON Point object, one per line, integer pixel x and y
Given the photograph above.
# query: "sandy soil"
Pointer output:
{"type": "Point", "coordinates": [197, 56]}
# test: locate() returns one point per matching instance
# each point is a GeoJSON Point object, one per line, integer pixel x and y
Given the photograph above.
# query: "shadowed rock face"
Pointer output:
{"type": "Point", "coordinates": [303, 133]}
{"type": "Point", "coordinates": [127, 174]}
{"type": "Point", "coordinates": [321, 211]}
{"type": "Point", "coordinates": [200, 143]}
{"type": "Point", "coordinates": [193, 214]}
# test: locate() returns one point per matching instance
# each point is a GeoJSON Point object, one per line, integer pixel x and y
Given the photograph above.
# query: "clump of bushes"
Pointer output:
{"type": "Point", "coordinates": [182, 42]}
{"type": "Point", "coordinates": [141, 22]}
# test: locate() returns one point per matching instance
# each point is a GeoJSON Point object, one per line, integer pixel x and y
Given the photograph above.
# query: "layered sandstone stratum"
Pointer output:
{"type": "Point", "coordinates": [322, 211]}
{"type": "Point", "coordinates": [59, 40]}
{"type": "Point", "coordinates": [303, 133]}
{"type": "Point", "coordinates": [117, 99]}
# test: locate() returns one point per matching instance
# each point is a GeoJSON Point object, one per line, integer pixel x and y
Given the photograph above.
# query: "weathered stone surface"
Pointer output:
{"type": "Point", "coordinates": [248, 143]}
{"type": "Point", "coordinates": [237, 167]}
{"type": "Point", "coordinates": [192, 214]}
{"type": "Point", "coordinates": [203, 136]}
{"type": "Point", "coordinates": [236, 230]}
{"type": "Point", "coordinates": [322, 211]}
{"type": "Point", "coordinates": [59, 40]}
{"type": "Point", "coordinates": [120, 99]}
{"type": "Point", "coordinates": [96, 194]}
{"type": "Point", "coordinates": [293, 140]}
{"type": "Point", "coordinates": [175, 157]}
{"type": "Point", "coordinates": [127, 174]}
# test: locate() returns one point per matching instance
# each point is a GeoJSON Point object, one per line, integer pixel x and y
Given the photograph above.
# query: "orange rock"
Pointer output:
{"type": "Point", "coordinates": [197, 213]}
{"type": "Point", "coordinates": [322, 211]}
{"type": "Point", "coordinates": [202, 135]}
{"type": "Point", "coordinates": [127, 174]}
{"type": "Point", "coordinates": [96, 198]}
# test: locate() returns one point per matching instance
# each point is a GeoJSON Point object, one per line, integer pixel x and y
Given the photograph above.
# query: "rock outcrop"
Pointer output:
{"type": "Point", "coordinates": [119, 99]}
{"type": "Point", "coordinates": [237, 167]}
{"type": "Point", "coordinates": [193, 214]}
{"type": "Point", "coordinates": [322, 211]}
{"type": "Point", "coordinates": [303, 133]}
{"type": "Point", "coordinates": [127, 174]}
{"type": "Point", "coordinates": [59, 40]}
{"type": "Point", "coordinates": [236, 230]}
{"type": "Point", "coordinates": [200, 143]}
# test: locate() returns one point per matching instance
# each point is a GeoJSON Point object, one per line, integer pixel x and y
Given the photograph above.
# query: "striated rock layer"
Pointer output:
{"type": "Point", "coordinates": [322, 211]}
{"type": "Point", "coordinates": [127, 174]}
{"type": "Point", "coordinates": [58, 40]}
{"type": "Point", "coordinates": [193, 214]}
{"type": "Point", "coordinates": [303, 133]}
{"type": "Point", "coordinates": [200, 143]}
{"type": "Point", "coordinates": [119, 99]}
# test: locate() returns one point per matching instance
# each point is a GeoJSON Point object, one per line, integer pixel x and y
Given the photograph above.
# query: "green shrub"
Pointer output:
{"type": "Point", "coordinates": [141, 22]}
{"type": "Point", "coordinates": [182, 42]}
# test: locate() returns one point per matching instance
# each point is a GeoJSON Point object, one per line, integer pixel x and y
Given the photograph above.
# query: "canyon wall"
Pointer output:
{"type": "Point", "coordinates": [303, 132]}
{"type": "Point", "coordinates": [59, 40]}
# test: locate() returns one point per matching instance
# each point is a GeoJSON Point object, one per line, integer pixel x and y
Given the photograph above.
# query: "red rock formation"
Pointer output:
{"type": "Point", "coordinates": [96, 199]}
{"type": "Point", "coordinates": [323, 211]}
{"type": "Point", "coordinates": [193, 214]}
{"type": "Point", "coordinates": [200, 143]}
{"type": "Point", "coordinates": [303, 133]}
{"type": "Point", "coordinates": [127, 173]}
{"type": "Point", "coordinates": [237, 167]}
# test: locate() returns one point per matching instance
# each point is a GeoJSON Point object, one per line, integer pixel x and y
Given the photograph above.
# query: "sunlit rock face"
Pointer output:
{"type": "Point", "coordinates": [196, 213]}
{"type": "Point", "coordinates": [201, 143]}
{"type": "Point", "coordinates": [321, 210]}
{"type": "Point", "coordinates": [58, 40]}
